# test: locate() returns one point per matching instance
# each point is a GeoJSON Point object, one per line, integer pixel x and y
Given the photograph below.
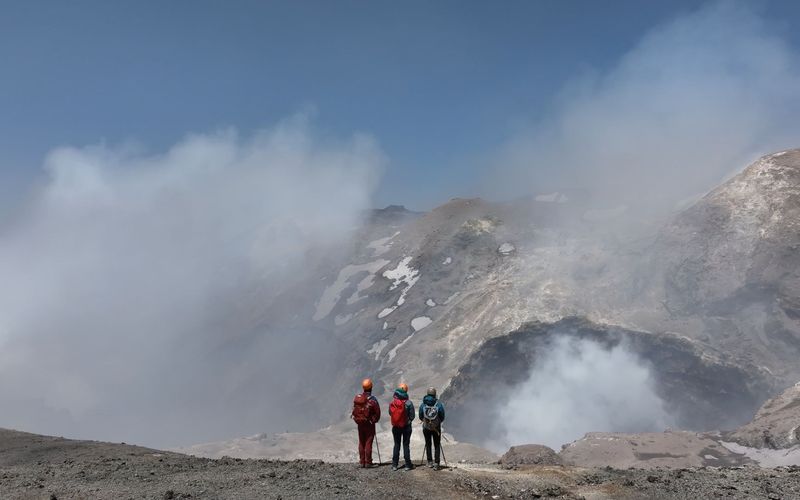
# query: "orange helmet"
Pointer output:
{"type": "Point", "coordinates": [403, 386]}
{"type": "Point", "coordinates": [366, 384]}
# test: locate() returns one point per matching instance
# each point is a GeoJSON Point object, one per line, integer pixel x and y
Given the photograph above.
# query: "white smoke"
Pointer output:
{"type": "Point", "coordinates": [120, 279]}
{"type": "Point", "coordinates": [578, 386]}
{"type": "Point", "coordinates": [693, 101]}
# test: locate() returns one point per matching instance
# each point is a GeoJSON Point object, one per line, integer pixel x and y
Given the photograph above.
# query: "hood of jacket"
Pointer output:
{"type": "Point", "coordinates": [429, 400]}
{"type": "Point", "coordinates": [401, 394]}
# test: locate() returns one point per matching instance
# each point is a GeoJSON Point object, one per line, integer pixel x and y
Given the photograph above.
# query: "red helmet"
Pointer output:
{"type": "Point", "coordinates": [366, 384]}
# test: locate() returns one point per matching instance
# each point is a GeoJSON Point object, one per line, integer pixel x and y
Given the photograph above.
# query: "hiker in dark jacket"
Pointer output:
{"type": "Point", "coordinates": [402, 412]}
{"type": "Point", "coordinates": [431, 414]}
{"type": "Point", "coordinates": [366, 413]}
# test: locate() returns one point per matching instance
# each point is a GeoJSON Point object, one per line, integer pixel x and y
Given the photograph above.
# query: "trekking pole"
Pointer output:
{"type": "Point", "coordinates": [377, 447]}
{"type": "Point", "coordinates": [441, 448]}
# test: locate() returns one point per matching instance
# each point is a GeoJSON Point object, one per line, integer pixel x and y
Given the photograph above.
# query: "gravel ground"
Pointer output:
{"type": "Point", "coordinates": [33, 466]}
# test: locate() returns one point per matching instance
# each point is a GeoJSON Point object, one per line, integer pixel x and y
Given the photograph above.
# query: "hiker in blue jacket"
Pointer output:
{"type": "Point", "coordinates": [431, 414]}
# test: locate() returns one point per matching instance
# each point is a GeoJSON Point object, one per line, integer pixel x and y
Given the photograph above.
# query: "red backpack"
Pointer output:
{"type": "Point", "coordinates": [397, 410]}
{"type": "Point", "coordinates": [361, 410]}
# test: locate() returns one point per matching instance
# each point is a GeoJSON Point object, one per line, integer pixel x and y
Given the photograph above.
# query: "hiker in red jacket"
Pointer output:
{"type": "Point", "coordinates": [366, 413]}
{"type": "Point", "coordinates": [401, 410]}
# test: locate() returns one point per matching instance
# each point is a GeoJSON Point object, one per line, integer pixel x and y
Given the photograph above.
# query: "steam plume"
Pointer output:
{"type": "Point", "coordinates": [119, 278]}
{"type": "Point", "coordinates": [577, 386]}
{"type": "Point", "coordinates": [693, 100]}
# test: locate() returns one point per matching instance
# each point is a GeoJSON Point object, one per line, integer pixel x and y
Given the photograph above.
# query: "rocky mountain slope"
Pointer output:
{"type": "Point", "coordinates": [730, 266]}
{"type": "Point", "coordinates": [462, 298]}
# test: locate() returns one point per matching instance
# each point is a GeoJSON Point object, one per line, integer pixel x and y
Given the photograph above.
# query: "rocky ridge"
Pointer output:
{"type": "Point", "coordinates": [425, 298]}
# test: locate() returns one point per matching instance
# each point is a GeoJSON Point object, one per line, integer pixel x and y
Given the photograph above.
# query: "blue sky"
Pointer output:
{"type": "Point", "coordinates": [440, 85]}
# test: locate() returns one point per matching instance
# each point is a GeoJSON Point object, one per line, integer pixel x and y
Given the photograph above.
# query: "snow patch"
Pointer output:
{"type": "Point", "coordinates": [386, 312]}
{"type": "Point", "coordinates": [377, 349]}
{"type": "Point", "coordinates": [447, 261]}
{"type": "Point", "coordinates": [506, 248]}
{"type": "Point", "coordinates": [430, 303]}
{"type": "Point", "coordinates": [385, 325]}
{"type": "Point", "coordinates": [394, 350]}
{"type": "Point", "coordinates": [402, 274]}
{"type": "Point", "coordinates": [421, 322]}
{"type": "Point", "coordinates": [381, 245]}
{"type": "Point", "coordinates": [332, 293]}
{"type": "Point", "coordinates": [767, 457]}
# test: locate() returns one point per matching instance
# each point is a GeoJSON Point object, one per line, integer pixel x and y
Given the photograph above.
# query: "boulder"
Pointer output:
{"type": "Point", "coordinates": [530, 454]}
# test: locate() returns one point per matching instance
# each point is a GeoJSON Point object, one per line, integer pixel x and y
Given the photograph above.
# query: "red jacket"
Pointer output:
{"type": "Point", "coordinates": [374, 408]}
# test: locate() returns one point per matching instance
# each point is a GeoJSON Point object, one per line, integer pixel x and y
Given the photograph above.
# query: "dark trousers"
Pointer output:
{"type": "Point", "coordinates": [405, 434]}
{"type": "Point", "coordinates": [436, 437]}
{"type": "Point", "coordinates": [366, 434]}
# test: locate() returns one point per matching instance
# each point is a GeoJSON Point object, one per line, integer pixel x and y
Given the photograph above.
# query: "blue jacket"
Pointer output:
{"type": "Point", "coordinates": [431, 401]}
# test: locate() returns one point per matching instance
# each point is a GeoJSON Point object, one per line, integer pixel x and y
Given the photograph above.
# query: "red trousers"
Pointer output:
{"type": "Point", "coordinates": [366, 434]}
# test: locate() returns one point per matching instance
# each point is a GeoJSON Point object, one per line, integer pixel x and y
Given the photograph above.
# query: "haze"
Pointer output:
{"type": "Point", "coordinates": [155, 175]}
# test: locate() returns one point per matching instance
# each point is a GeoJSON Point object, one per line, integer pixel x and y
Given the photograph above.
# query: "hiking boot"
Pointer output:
{"type": "Point", "coordinates": [430, 464]}
{"type": "Point", "coordinates": [436, 467]}
{"type": "Point", "coordinates": [394, 467]}
{"type": "Point", "coordinates": [408, 468]}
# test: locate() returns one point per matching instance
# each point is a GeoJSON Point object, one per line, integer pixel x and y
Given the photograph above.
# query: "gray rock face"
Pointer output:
{"type": "Point", "coordinates": [739, 241]}
{"type": "Point", "coordinates": [776, 425]}
{"type": "Point", "coordinates": [730, 265]}
{"type": "Point", "coordinates": [530, 454]}
{"type": "Point", "coordinates": [712, 295]}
